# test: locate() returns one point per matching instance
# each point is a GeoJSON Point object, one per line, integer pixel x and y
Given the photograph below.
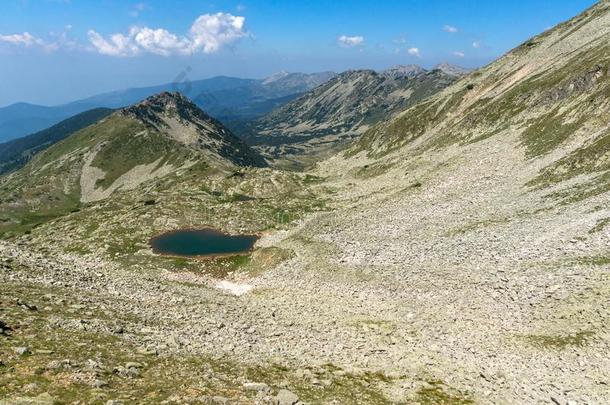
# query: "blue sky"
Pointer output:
{"type": "Point", "coordinates": [55, 51]}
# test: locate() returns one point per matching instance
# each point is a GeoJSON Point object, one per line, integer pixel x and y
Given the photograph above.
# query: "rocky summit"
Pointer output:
{"type": "Point", "coordinates": [450, 246]}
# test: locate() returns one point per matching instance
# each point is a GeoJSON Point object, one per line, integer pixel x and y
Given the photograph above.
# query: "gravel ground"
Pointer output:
{"type": "Point", "coordinates": [466, 278]}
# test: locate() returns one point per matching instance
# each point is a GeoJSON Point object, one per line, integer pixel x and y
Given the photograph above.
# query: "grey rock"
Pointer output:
{"type": "Point", "coordinates": [217, 400]}
{"type": "Point", "coordinates": [285, 397]}
{"type": "Point", "coordinates": [54, 365]}
{"type": "Point", "coordinates": [254, 386]}
{"type": "Point", "coordinates": [21, 350]}
{"type": "Point", "coordinates": [99, 384]}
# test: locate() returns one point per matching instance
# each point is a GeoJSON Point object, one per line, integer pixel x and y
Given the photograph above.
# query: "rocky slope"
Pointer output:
{"type": "Point", "coordinates": [402, 71]}
{"type": "Point", "coordinates": [336, 112]}
{"type": "Point", "coordinates": [550, 93]}
{"type": "Point", "coordinates": [292, 83]}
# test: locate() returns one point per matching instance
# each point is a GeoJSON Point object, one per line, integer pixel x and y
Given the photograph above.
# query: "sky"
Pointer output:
{"type": "Point", "coordinates": [57, 51]}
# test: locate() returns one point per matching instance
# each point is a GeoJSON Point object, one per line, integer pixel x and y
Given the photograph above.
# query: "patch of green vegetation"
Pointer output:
{"type": "Point", "coordinates": [587, 159]}
{"type": "Point", "coordinates": [579, 192]}
{"type": "Point", "coordinates": [593, 260]}
{"type": "Point", "coordinates": [437, 393]}
{"type": "Point", "coordinates": [24, 220]}
{"type": "Point", "coordinates": [600, 225]}
{"type": "Point", "coordinates": [374, 170]}
{"type": "Point", "coordinates": [559, 342]}
{"type": "Point", "coordinates": [125, 150]}
{"type": "Point", "coordinates": [311, 179]}
{"type": "Point", "coordinates": [547, 132]}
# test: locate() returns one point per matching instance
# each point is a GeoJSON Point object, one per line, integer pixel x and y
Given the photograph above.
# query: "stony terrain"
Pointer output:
{"type": "Point", "coordinates": [456, 253]}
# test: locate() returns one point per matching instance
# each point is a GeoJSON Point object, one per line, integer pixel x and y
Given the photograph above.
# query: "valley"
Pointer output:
{"type": "Point", "coordinates": [428, 237]}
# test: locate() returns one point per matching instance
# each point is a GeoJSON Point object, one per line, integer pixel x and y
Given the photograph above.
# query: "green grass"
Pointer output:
{"type": "Point", "coordinates": [594, 260]}
{"type": "Point", "coordinates": [374, 170]}
{"type": "Point", "coordinates": [559, 342]}
{"type": "Point", "coordinates": [547, 132]}
{"type": "Point", "coordinates": [588, 159]}
{"type": "Point", "coordinates": [124, 151]}
{"type": "Point", "coordinates": [600, 225]}
{"type": "Point", "coordinates": [437, 393]}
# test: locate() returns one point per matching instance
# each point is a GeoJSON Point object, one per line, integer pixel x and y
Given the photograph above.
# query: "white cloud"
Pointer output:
{"type": "Point", "coordinates": [52, 44]}
{"type": "Point", "coordinates": [211, 32]}
{"type": "Point", "coordinates": [459, 54]}
{"type": "Point", "coordinates": [25, 39]}
{"type": "Point", "coordinates": [208, 34]}
{"type": "Point", "coordinates": [414, 52]}
{"type": "Point", "coordinates": [477, 44]}
{"type": "Point", "coordinates": [450, 28]}
{"type": "Point", "coordinates": [117, 45]}
{"type": "Point", "coordinates": [400, 41]}
{"type": "Point", "coordinates": [240, 8]}
{"type": "Point", "coordinates": [349, 42]}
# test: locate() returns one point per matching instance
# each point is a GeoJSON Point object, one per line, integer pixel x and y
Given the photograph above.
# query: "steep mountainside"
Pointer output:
{"type": "Point", "coordinates": [481, 217]}
{"type": "Point", "coordinates": [226, 98]}
{"type": "Point", "coordinates": [16, 153]}
{"type": "Point", "coordinates": [550, 94]}
{"type": "Point", "coordinates": [336, 112]}
{"type": "Point", "coordinates": [162, 136]}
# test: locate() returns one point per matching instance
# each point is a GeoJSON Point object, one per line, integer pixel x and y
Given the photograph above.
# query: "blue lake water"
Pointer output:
{"type": "Point", "coordinates": [201, 242]}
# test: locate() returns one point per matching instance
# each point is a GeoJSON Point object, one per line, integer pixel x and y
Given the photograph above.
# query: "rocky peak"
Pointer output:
{"type": "Point", "coordinates": [452, 70]}
{"type": "Point", "coordinates": [403, 71]}
{"type": "Point", "coordinates": [275, 77]}
{"type": "Point", "coordinates": [351, 75]}
{"type": "Point", "coordinates": [154, 109]}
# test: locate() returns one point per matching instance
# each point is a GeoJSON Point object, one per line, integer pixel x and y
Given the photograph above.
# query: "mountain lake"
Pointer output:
{"type": "Point", "coordinates": [201, 243]}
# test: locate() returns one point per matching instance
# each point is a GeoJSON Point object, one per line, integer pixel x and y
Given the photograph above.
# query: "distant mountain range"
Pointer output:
{"type": "Point", "coordinates": [225, 98]}
{"type": "Point", "coordinates": [331, 115]}
{"type": "Point", "coordinates": [264, 112]}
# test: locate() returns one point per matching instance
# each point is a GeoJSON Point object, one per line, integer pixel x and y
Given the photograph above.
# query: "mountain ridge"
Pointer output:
{"type": "Point", "coordinates": [224, 97]}
{"type": "Point", "coordinates": [333, 114]}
